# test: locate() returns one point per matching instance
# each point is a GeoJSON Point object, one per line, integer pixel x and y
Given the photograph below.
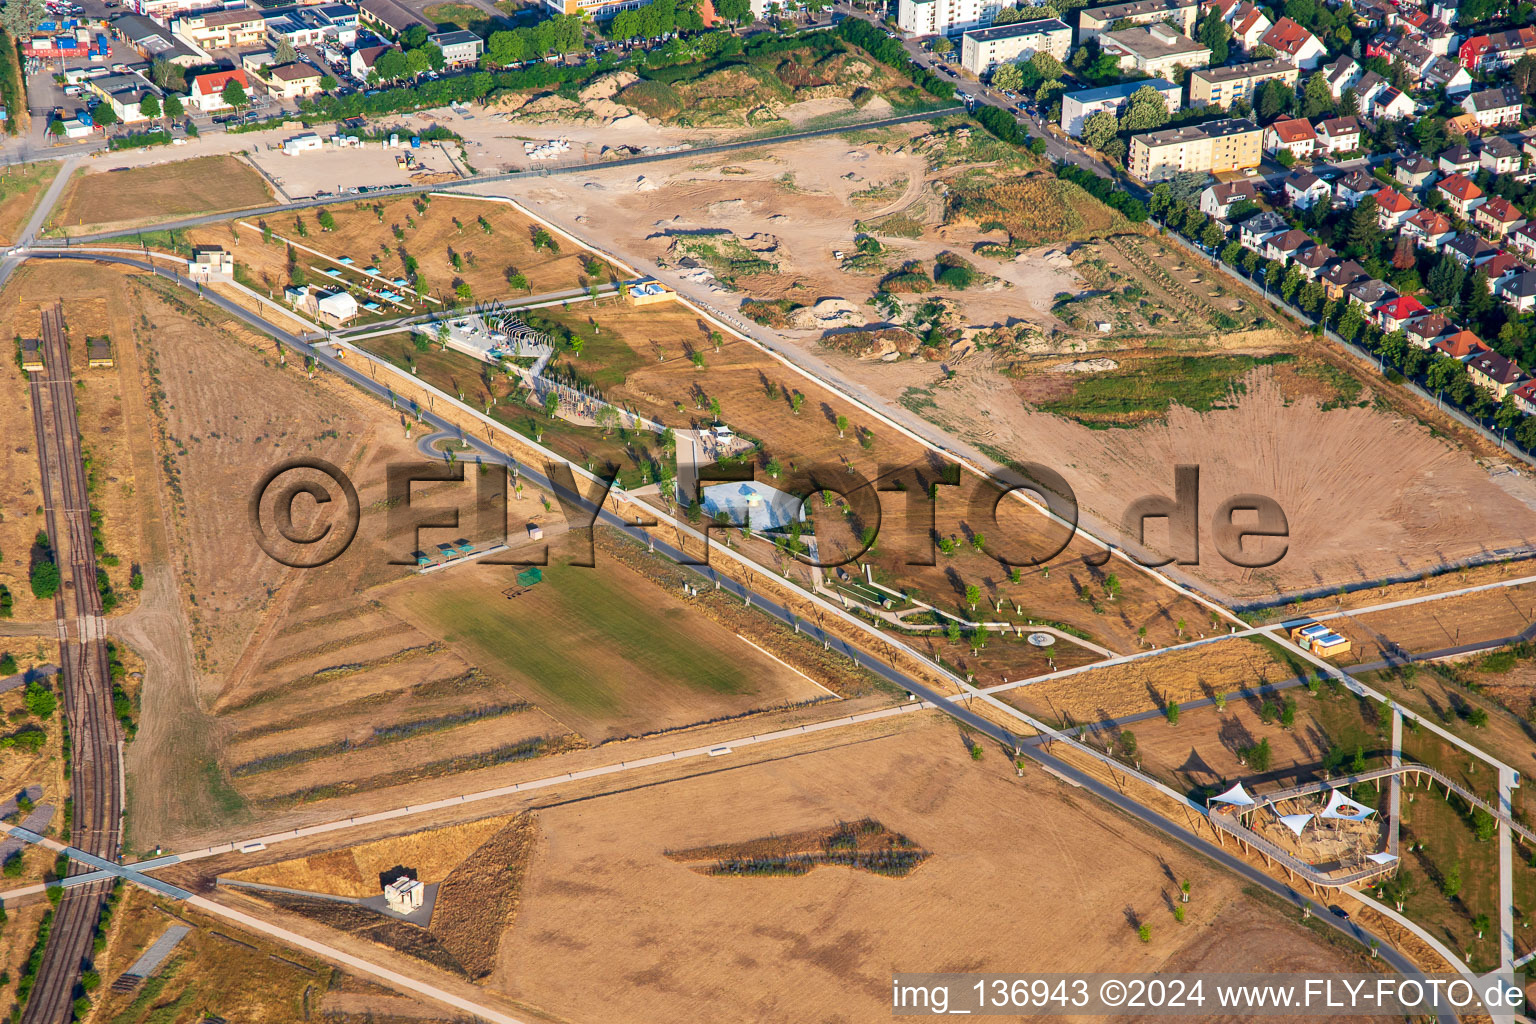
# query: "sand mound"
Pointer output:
{"type": "Point", "coordinates": [644, 184]}
{"type": "Point", "coordinates": [881, 343]}
{"type": "Point", "coordinates": [606, 87]}
{"type": "Point", "coordinates": [826, 314]}
{"type": "Point", "coordinates": [1086, 366]}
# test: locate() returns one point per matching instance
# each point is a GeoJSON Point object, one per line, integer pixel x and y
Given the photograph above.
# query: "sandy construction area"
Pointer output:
{"type": "Point", "coordinates": [1367, 492]}
{"type": "Point", "coordinates": [1009, 857]}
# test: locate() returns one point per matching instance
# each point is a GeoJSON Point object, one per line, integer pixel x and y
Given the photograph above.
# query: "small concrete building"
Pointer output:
{"type": "Point", "coordinates": [99, 353]}
{"type": "Point", "coordinates": [31, 354]}
{"type": "Point", "coordinates": [404, 895]}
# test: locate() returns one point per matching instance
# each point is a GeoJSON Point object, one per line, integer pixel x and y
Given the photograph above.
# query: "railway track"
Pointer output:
{"type": "Point", "coordinates": [95, 782]}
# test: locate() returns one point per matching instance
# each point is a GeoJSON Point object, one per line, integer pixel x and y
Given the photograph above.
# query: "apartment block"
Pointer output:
{"type": "Point", "coordinates": [983, 49]}
{"type": "Point", "coordinates": [945, 17]}
{"type": "Point", "coordinates": [1222, 87]}
{"type": "Point", "coordinates": [1095, 21]}
{"type": "Point", "coordinates": [1228, 145]}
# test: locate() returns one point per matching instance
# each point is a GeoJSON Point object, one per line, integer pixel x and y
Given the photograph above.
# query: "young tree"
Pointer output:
{"type": "Point", "coordinates": [1147, 109]}
{"type": "Point", "coordinates": [1450, 885]}
{"type": "Point", "coordinates": [233, 93]}
{"type": "Point", "coordinates": [842, 424]}
{"type": "Point", "coordinates": [1172, 712]}
{"type": "Point", "coordinates": [1099, 128]}
{"type": "Point", "coordinates": [1008, 77]}
{"type": "Point", "coordinates": [972, 595]}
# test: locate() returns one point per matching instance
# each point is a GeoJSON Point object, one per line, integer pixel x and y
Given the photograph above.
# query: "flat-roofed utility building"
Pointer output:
{"type": "Point", "coordinates": [983, 49]}
{"type": "Point", "coordinates": [1233, 144]}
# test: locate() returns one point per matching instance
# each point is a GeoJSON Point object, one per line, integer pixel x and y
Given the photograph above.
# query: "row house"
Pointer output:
{"type": "Point", "coordinates": [1492, 372]}
{"type": "Point", "coordinates": [1461, 194]}
{"type": "Point", "coordinates": [1428, 229]}
{"type": "Point", "coordinates": [1494, 108]}
{"type": "Point", "coordinates": [1495, 50]}
{"type": "Point", "coordinates": [1304, 190]}
{"type": "Point", "coordinates": [1497, 217]}
{"type": "Point", "coordinates": [1393, 209]}
{"type": "Point", "coordinates": [1339, 135]}
{"type": "Point", "coordinates": [1296, 135]}
{"type": "Point", "coordinates": [1499, 156]}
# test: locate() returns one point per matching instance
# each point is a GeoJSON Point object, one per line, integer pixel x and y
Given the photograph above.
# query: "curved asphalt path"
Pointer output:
{"type": "Point", "coordinates": [491, 455]}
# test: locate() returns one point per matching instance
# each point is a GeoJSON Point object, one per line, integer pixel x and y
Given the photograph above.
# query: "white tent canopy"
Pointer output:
{"type": "Point", "coordinates": [1382, 858]}
{"type": "Point", "coordinates": [1344, 809]}
{"type": "Point", "coordinates": [1237, 795]}
{"type": "Point", "coordinates": [1295, 822]}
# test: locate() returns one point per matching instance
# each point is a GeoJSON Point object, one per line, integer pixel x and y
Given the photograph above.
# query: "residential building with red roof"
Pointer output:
{"type": "Point", "coordinates": [1293, 43]}
{"type": "Point", "coordinates": [208, 90]}
{"type": "Point", "coordinates": [1461, 194]}
{"type": "Point", "coordinates": [1429, 229]}
{"type": "Point", "coordinates": [1497, 217]}
{"type": "Point", "coordinates": [1393, 209]}
{"type": "Point", "coordinates": [1296, 135]}
{"type": "Point", "coordinates": [1394, 315]}
{"type": "Point", "coordinates": [1462, 345]}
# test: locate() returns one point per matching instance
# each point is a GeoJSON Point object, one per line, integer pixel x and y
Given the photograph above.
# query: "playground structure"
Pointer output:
{"type": "Point", "coordinates": [491, 334]}
{"type": "Point", "coordinates": [1231, 812]}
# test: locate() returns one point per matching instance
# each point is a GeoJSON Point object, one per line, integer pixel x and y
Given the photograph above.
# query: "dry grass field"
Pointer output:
{"type": "Point", "coordinates": [603, 896]}
{"type": "Point", "coordinates": [104, 200]}
{"type": "Point", "coordinates": [21, 189]}
{"type": "Point", "coordinates": [602, 650]}
{"type": "Point", "coordinates": [21, 495]}
{"type": "Point", "coordinates": [479, 866]}
{"type": "Point", "coordinates": [1150, 684]}
{"type": "Point", "coordinates": [215, 971]}
{"type": "Point", "coordinates": [432, 230]}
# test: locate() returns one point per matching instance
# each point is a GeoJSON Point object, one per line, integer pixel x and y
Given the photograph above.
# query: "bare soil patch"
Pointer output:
{"type": "Point", "coordinates": [104, 199]}
{"type": "Point", "coordinates": [602, 895]}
